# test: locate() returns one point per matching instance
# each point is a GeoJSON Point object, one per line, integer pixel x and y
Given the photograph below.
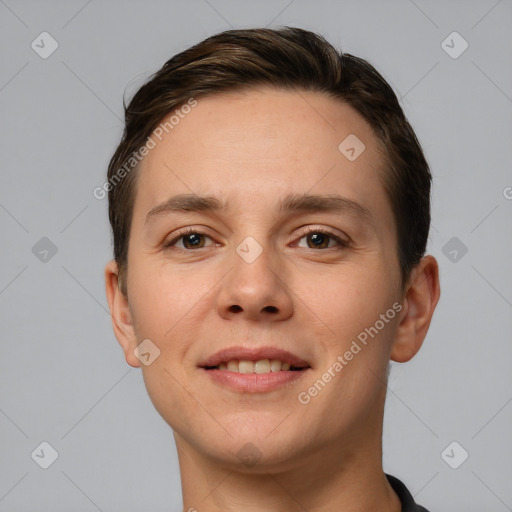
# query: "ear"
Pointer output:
{"type": "Point", "coordinates": [120, 314]}
{"type": "Point", "coordinates": [421, 297]}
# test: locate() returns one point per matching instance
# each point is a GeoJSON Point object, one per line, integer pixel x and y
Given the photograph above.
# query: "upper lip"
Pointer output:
{"type": "Point", "coordinates": [253, 354]}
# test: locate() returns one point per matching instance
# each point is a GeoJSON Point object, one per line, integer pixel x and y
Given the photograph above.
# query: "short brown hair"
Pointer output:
{"type": "Point", "coordinates": [287, 58]}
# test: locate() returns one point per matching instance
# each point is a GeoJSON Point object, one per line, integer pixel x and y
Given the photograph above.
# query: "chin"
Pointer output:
{"type": "Point", "coordinates": [250, 447]}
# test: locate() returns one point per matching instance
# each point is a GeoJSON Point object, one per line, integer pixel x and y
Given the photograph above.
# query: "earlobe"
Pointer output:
{"type": "Point", "coordinates": [421, 297]}
{"type": "Point", "coordinates": [120, 314]}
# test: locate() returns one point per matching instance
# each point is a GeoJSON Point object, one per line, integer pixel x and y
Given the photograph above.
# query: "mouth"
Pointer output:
{"type": "Point", "coordinates": [254, 360]}
{"type": "Point", "coordinates": [254, 370]}
{"type": "Point", "coordinates": [259, 367]}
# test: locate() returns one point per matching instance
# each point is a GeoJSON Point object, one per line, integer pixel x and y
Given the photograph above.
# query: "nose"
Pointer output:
{"type": "Point", "coordinates": [255, 289]}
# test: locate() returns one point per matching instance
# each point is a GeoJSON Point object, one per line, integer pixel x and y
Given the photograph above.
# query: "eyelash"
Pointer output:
{"type": "Point", "coordinates": [167, 245]}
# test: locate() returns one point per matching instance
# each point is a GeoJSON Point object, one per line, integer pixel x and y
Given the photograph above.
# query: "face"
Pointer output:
{"type": "Point", "coordinates": [307, 287]}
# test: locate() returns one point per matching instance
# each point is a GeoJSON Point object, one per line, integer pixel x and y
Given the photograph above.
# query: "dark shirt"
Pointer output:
{"type": "Point", "coordinates": [408, 504]}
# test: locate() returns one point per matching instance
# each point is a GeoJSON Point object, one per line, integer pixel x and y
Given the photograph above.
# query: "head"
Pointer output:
{"type": "Point", "coordinates": [264, 139]}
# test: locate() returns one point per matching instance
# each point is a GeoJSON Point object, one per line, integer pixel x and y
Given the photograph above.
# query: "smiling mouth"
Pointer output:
{"type": "Point", "coordinates": [254, 369]}
{"type": "Point", "coordinates": [259, 367]}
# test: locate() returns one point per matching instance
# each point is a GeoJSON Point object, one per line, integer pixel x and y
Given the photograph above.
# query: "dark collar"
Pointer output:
{"type": "Point", "coordinates": [408, 504]}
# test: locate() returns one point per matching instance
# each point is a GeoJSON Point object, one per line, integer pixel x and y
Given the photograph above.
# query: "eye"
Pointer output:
{"type": "Point", "coordinates": [191, 239]}
{"type": "Point", "coordinates": [320, 239]}
{"type": "Point", "coordinates": [317, 239]}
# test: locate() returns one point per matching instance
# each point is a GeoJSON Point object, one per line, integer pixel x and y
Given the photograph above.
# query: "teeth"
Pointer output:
{"type": "Point", "coordinates": [262, 366]}
{"type": "Point", "coordinates": [275, 365]}
{"type": "Point", "coordinates": [245, 367]}
{"type": "Point", "coordinates": [259, 367]}
{"type": "Point", "coordinates": [233, 366]}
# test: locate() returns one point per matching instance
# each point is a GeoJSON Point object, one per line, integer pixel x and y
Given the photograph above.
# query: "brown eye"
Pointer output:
{"type": "Point", "coordinates": [320, 239]}
{"type": "Point", "coordinates": [192, 239]}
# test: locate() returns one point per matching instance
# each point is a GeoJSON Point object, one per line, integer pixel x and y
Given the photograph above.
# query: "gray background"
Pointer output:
{"type": "Point", "coordinates": [63, 377]}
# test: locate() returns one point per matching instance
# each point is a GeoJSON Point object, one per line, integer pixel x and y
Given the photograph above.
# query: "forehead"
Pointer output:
{"type": "Point", "coordinates": [255, 146]}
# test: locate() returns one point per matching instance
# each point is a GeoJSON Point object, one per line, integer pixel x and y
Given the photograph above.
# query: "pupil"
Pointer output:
{"type": "Point", "coordinates": [193, 239]}
{"type": "Point", "coordinates": [317, 237]}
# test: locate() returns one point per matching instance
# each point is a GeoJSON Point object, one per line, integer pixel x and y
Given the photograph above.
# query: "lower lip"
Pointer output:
{"type": "Point", "coordinates": [254, 382]}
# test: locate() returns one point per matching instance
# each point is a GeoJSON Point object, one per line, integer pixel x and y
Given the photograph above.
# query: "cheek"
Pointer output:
{"type": "Point", "coordinates": [352, 374]}
{"type": "Point", "coordinates": [352, 299]}
{"type": "Point", "coordinates": [160, 295]}
{"type": "Point", "coordinates": [170, 306]}
{"type": "Point", "coordinates": [165, 306]}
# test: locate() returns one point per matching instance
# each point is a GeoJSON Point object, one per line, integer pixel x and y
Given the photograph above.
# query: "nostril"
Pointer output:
{"type": "Point", "coordinates": [235, 308]}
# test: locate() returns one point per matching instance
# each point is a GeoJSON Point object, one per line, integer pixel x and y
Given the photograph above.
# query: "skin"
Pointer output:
{"type": "Point", "coordinates": [252, 148]}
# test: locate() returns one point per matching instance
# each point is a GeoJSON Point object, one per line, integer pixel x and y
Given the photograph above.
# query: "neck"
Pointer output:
{"type": "Point", "coordinates": [344, 478]}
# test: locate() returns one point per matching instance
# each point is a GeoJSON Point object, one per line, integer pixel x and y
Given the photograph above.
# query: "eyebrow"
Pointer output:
{"type": "Point", "coordinates": [292, 203]}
